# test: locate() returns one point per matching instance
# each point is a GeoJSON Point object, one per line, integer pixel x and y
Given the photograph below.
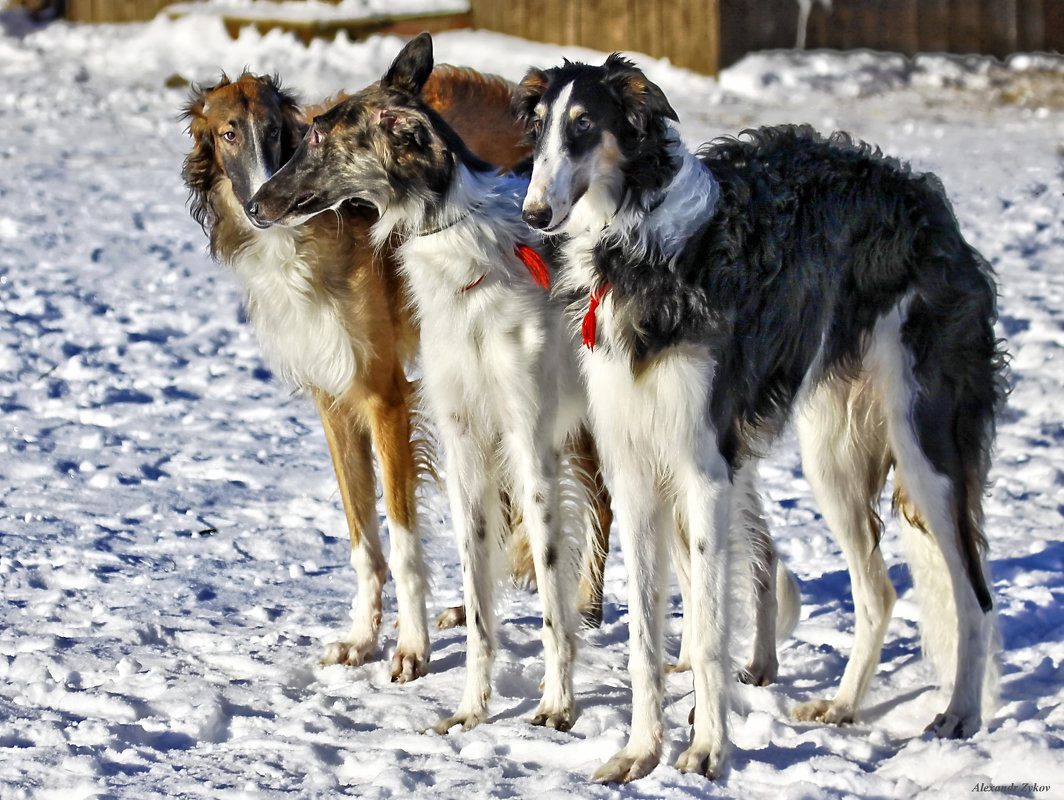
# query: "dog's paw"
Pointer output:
{"type": "Point", "coordinates": [451, 618]}
{"type": "Point", "coordinates": [754, 674]}
{"type": "Point", "coordinates": [681, 665]}
{"type": "Point", "coordinates": [467, 720]}
{"type": "Point", "coordinates": [702, 760]}
{"type": "Point", "coordinates": [825, 711]}
{"type": "Point", "coordinates": [951, 726]}
{"type": "Point", "coordinates": [627, 765]}
{"type": "Point", "coordinates": [352, 654]}
{"type": "Point", "coordinates": [408, 667]}
{"type": "Point", "coordinates": [559, 719]}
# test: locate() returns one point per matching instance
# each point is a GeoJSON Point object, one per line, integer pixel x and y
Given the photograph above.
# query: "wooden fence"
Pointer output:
{"type": "Point", "coordinates": [706, 35]}
{"type": "Point", "coordinates": [686, 31]}
{"type": "Point", "coordinates": [989, 27]}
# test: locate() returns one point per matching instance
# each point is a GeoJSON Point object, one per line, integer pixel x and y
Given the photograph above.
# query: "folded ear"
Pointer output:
{"type": "Point", "coordinates": [412, 67]}
{"type": "Point", "coordinates": [293, 123]}
{"type": "Point", "coordinates": [527, 96]}
{"type": "Point", "coordinates": [405, 124]}
{"type": "Point", "coordinates": [642, 100]}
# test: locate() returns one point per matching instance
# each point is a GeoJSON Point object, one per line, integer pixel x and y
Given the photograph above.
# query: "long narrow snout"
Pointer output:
{"type": "Point", "coordinates": [283, 201]}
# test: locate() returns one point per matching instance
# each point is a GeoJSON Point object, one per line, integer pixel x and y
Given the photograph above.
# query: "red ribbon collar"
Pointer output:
{"type": "Point", "coordinates": [587, 328]}
{"type": "Point", "coordinates": [533, 262]}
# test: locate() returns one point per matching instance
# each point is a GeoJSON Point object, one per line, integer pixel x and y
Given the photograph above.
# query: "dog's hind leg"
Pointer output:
{"type": "Point", "coordinates": [845, 459]}
{"type": "Point", "coordinates": [390, 419]}
{"type": "Point", "coordinates": [748, 522]}
{"type": "Point", "coordinates": [352, 455]}
{"type": "Point", "coordinates": [599, 518]}
{"type": "Point", "coordinates": [937, 493]}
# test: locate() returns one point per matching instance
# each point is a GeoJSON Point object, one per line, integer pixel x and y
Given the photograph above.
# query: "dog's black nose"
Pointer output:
{"type": "Point", "coordinates": [537, 217]}
{"type": "Point", "coordinates": [251, 208]}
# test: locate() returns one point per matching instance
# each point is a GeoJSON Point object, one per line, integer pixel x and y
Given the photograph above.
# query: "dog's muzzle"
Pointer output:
{"type": "Point", "coordinates": [537, 216]}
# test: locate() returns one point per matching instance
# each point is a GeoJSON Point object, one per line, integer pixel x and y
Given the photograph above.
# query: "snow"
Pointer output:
{"type": "Point", "coordinates": [173, 555]}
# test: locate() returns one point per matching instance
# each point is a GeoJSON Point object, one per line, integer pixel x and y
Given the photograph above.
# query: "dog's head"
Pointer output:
{"type": "Point", "coordinates": [381, 146]}
{"type": "Point", "coordinates": [597, 132]}
{"type": "Point", "coordinates": [243, 131]}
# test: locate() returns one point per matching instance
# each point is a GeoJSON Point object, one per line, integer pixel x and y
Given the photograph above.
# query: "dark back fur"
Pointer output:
{"type": "Point", "coordinates": [812, 239]}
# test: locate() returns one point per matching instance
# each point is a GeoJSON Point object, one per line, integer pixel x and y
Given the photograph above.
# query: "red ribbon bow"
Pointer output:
{"type": "Point", "coordinates": [534, 264]}
{"type": "Point", "coordinates": [587, 328]}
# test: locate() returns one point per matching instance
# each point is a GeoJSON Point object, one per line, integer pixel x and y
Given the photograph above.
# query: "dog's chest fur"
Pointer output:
{"type": "Point", "coordinates": [299, 323]}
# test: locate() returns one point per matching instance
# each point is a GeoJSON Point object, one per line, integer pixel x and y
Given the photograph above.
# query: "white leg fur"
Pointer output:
{"type": "Point", "coordinates": [665, 469]}
{"type": "Point", "coordinates": [476, 511]}
{"type": "Point", "coordinates": [360, 642]}
{"type": "Point", "coordinates": [407, 563]}
{"type": "Point", "coordinates": [704, 502]}
{"type": "Point", "coordinates": [642, 516]}
{"type": "Point", "coordinates": [534, 462]}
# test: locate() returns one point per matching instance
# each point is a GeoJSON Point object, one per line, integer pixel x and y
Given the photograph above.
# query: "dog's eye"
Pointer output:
{"type": "Point", "coordinates": [229, 136]}
{"type": "Point", "coordinates": [273, 133]}
{"type": "Point", "coordinates": [582, 124]}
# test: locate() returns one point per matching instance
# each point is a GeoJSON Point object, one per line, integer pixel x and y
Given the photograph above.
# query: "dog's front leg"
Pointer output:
{"type": "Point", "coordinates": [642, 517]}
{"type": "Point", "coordinates": [352, 456]}
{"type": "Point", "coordinates": [536, 464]}
{"type": "Point", "coordinates": [476, 511]}
{"type": "Point", "coordinates": [389, 414]}
{"type": "Point", "coordinates": [704, 505]}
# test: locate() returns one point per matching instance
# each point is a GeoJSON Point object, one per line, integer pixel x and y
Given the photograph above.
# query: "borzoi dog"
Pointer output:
{"type": "Point", "coordinates": [502, 394]}
{"type": "Point", "coordinates": [333, 319]}
{"type": "Point", "coordinates": [500, 379]}
{"type": "Point", "coordinates": [778, 274]}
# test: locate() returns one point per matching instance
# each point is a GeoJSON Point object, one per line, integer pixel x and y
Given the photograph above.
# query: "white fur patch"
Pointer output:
{"type": "Point", "coordinates": [302, 332]}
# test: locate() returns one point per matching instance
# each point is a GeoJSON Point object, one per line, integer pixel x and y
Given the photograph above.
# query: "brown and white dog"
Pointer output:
{"type": "Point", "coordinates": [333, 319]}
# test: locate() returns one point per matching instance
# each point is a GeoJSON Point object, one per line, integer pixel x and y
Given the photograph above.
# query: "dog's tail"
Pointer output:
{"type": "Point", "coordinates": [788, 601]}
{"type": "Point", "coordinates": [939, 621]}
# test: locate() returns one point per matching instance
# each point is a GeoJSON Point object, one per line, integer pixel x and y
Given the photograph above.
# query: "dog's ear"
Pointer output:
{"type": "Point", "coordinates": [527, 96]}
{"type": "Point", "coordinates": [199, 166]}
{"type": "Point", "coordinates": [642, 100]}
{"type": "Point", "coordinates": [294, 125]}
{"type": "Point", "coordinates": [406, 125]}
{"type": "Point", "coordinates": [412, 67]}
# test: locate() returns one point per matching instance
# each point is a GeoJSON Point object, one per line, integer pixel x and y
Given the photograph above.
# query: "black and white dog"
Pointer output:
{"type": "Point", "coordinates": [779, 274]}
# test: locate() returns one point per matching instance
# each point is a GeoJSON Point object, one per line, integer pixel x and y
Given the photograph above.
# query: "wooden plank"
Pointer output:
{"type": "Point", "coordinates": [997, 36]}
{"type": "Point", "coordinates": [932, 27]}
{"type": "Point", "coordinates": [735, 37]}
{"type": "Point", "coordinates": [964, 33]}
{"type": "Point", "coordinates": [906, 29]}
{"type": "Point", "coordinates": [1030, 26]}
{"type": "Point", "coordinates": [646, 31]}
{"type": "Point", "coordinates": [1054, 26]}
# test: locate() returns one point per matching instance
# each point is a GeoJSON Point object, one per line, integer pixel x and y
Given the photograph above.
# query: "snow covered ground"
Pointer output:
{"type": "Point", "coordinates": [172, 550]}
